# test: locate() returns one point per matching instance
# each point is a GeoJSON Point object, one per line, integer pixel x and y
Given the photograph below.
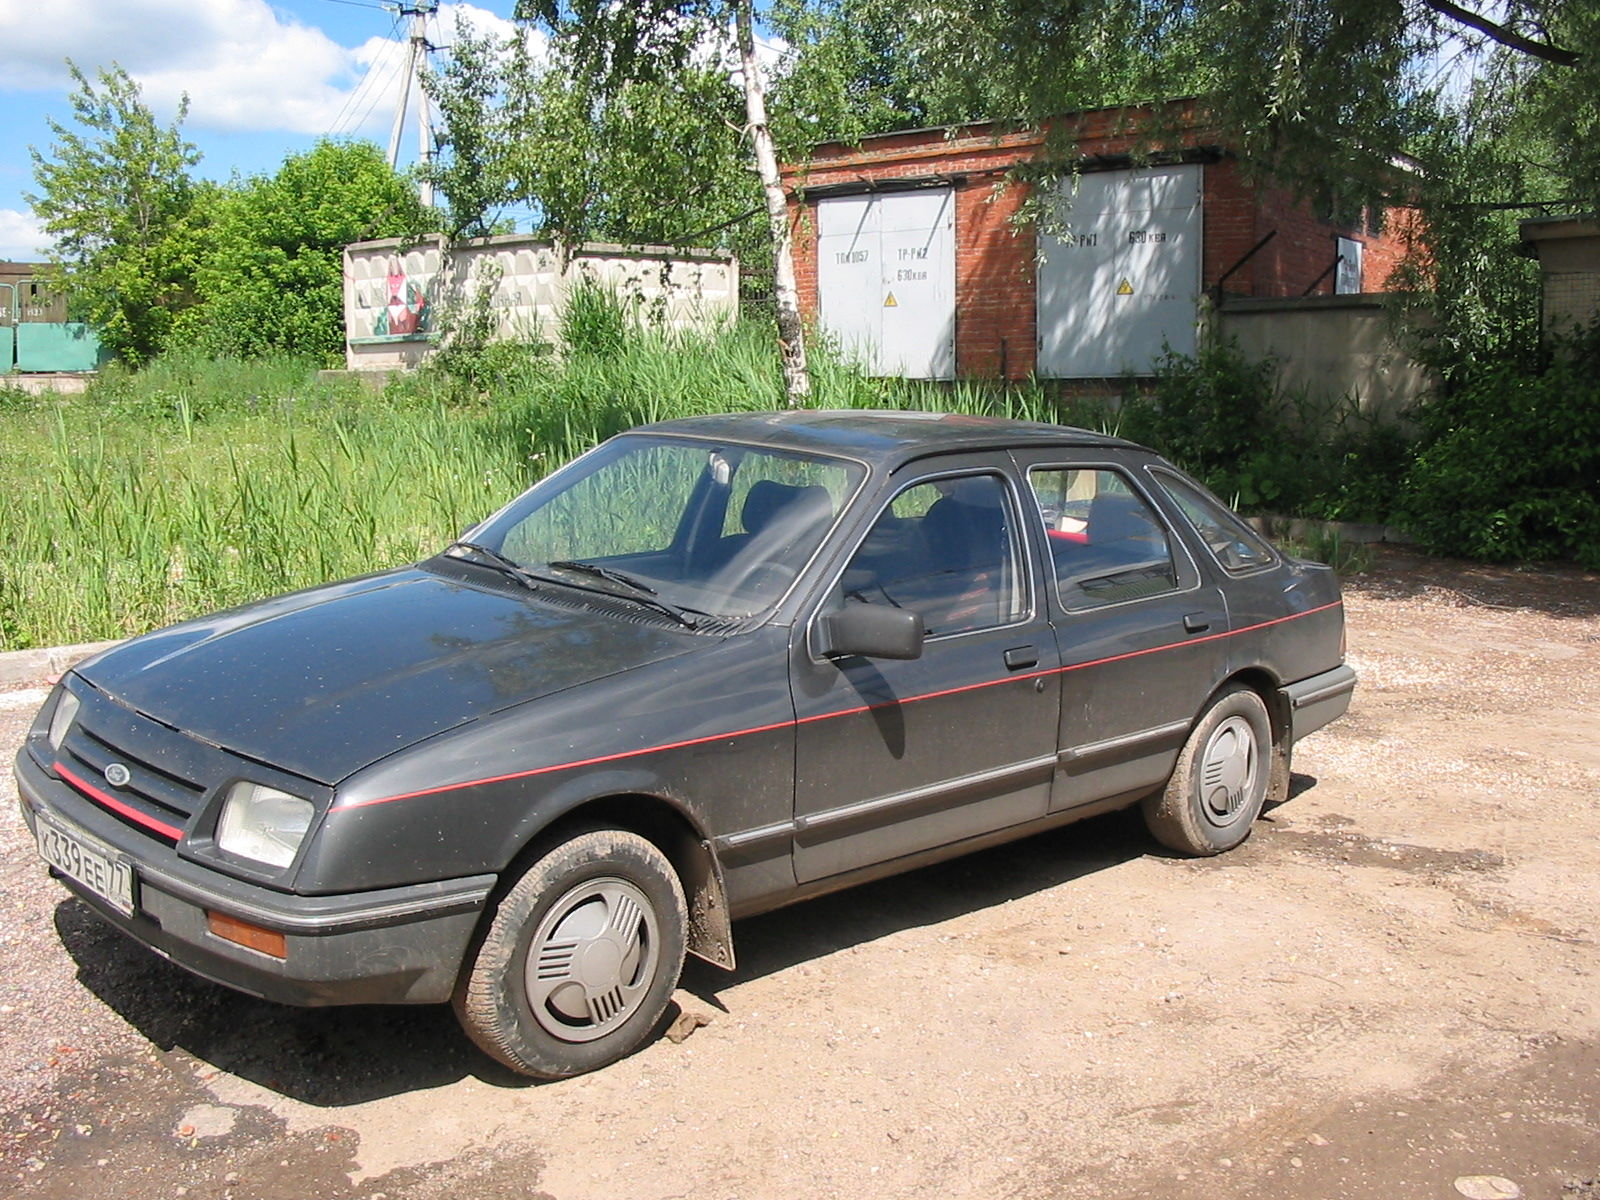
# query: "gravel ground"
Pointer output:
{"type": "Point", "coordinates": [1389, 991]}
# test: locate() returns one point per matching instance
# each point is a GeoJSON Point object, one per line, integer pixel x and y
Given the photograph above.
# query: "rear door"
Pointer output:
{"type": "Point", "coordinates": [1141, 633]}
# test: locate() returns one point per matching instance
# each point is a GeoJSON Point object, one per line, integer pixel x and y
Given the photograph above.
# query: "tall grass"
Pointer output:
{"type": "Point", "coordinates": [197, 484]}
{"type": "Point", "coordinates": [121, 521]}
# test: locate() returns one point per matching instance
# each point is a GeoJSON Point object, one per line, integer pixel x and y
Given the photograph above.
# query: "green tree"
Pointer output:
{"type": "Point", "coordinates": [474, 131]}
{"type": "Point", "coordinates": [651, 162]}
{"type": "Point", "coordinates": [619, 47]}
{"type": "Point", "coordinates": [115, 194]}
{"type": "Point", "coordinates": [860, 67]}
{"type": "Point", "coordinates": [272, 274]}
{"type": "Point", "coordinates": [1317, 93]}
{"type": "Point", "coordinates": [646, 161]}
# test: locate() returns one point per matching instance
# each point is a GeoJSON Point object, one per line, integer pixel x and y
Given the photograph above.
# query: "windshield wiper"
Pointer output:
{"type": "Point", "coordinates": [492, 558]}
{"type": "Point", "coordinates": [611, 573]}
{"type": "Point", "coordinates": [644, 594]}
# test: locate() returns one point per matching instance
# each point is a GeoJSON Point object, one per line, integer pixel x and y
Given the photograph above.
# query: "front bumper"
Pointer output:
{"type": "Point", "coordinates": [395, 946]}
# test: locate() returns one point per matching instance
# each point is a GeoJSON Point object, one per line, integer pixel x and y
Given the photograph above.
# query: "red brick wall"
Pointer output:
{"type": "Point", "coordinates": [995, 301]}
{"type": "Point", "coordinates": [994, 256]}
{"type": "Point", "coordinates": [1402, 233]}
{"type": "Point", "coordinates": [1230, 225]}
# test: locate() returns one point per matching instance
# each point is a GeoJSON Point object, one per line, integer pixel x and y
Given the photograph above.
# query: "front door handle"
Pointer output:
{"type": "Point", "coordinates": [1196, 622]}
{"type": "Point", "coordinates": [1019, 657]}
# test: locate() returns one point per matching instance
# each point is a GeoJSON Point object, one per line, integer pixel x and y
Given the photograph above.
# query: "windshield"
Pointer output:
{"type": "Point", "coordinates": [713, 529]}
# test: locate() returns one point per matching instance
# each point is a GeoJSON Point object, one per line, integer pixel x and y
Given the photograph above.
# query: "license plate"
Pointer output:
{"type": "Point", "coordinates": [95, 865]}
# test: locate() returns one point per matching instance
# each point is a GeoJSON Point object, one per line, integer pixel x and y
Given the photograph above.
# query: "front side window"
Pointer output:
{"type": "Point", "coordinates": [1106, 543]}
{"type": "Point", "coordinates": [715, 529]}
{"type": "Point", "coordinates": [946, 549]}
{"type": "Point", "coordinates": [1236, 545]}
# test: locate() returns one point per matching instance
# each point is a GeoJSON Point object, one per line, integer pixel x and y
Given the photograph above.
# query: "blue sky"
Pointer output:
{"type": "Point", "coordinates": [264, 80]}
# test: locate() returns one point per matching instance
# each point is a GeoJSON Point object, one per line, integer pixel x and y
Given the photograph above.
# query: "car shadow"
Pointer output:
{"type": "Point", "coordinates": [779, 940]}
{"type": "Point", "coordinates": [336, 1057]}
{"type": "Point", "coordinates": [326, 1057]}
{"type": "Point", "coordinates": [1298, 784]}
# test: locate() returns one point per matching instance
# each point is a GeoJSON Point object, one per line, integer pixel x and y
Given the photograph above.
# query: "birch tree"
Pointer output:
{"type": "Point", "coordinates": [620, 45]}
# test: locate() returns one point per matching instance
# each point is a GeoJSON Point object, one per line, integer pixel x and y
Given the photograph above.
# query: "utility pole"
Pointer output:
{"type": "Point", "coordinates": [417, 57]}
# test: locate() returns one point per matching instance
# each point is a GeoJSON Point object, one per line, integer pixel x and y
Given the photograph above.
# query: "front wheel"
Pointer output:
{"type": "Point", "coordinates": [579, 959]}
{"type": "Point", "coordinates": [1220, 783]}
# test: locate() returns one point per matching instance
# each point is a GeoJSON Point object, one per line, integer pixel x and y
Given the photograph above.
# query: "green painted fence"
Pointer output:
{"type": "Point", "coordinates": [55, 346]}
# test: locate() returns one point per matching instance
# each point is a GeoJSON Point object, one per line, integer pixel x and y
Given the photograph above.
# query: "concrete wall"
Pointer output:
{"type": "Point", "coordinates": [400, 298]}
{"type": "Point", "coordinates": [1330, 346]}
{"type": "Point", "coordinates": [1568, 250]}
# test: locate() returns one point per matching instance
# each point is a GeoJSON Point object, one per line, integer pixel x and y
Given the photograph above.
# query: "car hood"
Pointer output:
{"type": "Point", "coordinates": [326, 681]}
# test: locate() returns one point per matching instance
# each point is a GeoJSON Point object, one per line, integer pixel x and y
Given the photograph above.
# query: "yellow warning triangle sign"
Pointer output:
{"type": "Point", "coordinates": [890, 302]}
{"type": "Point", "coordinates": [1124, 288]}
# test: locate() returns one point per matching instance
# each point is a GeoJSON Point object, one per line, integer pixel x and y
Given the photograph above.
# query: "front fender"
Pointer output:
{"type": "Point", "coordinates": [711, 734]}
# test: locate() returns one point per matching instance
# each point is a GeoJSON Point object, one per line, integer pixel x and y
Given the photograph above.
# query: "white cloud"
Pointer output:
{"type": "Point", "coordinates": [243, 64]}
{"type": "Point", "coordinates": [480, 20]}
{"type": "Point", "coordinates": [22, 239]}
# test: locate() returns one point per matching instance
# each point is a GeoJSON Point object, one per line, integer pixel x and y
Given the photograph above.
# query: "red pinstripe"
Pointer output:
{"type": "Point", "coordinates": [844, 712]}
{"type": "Point", "coordinates": [117, 806]}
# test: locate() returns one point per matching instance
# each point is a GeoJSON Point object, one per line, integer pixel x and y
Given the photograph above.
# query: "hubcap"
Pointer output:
{"type": "Point", "coordinates": [592, 960]}
{"type": "Point", "coordinates": [1228, 770]}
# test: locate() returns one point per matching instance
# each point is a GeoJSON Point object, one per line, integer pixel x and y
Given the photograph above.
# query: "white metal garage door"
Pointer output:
{"type": "Point", "coordinates": [886, 273]}
{"type": "Point", "coordinates": [1121, 272]}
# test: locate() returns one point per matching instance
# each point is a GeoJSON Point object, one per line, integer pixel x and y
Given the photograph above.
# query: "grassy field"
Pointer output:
{"type": "Point", "coordinates": [197, 484]}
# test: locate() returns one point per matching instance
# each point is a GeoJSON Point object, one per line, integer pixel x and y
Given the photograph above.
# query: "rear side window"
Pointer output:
{"type": "Point", "coordinates": [1106, 543]}
{"type": "Point", "coordinates": [1236, 545]}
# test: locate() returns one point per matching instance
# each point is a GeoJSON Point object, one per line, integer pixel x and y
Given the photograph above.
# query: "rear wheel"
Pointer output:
{"type": "Point", "coordinates": [579, 959]}
{"type": "Point", "coordinates": [1220, 783]}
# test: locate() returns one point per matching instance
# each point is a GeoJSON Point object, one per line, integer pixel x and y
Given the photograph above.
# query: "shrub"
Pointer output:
{"type": "Point", "coordinates": [1220, 416]}
{"type": "Point", "coordinates": [1508, 467]}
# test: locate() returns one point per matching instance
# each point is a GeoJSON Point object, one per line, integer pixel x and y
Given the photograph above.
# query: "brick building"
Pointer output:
{"type": "Point", "coordinates": [910, 251]}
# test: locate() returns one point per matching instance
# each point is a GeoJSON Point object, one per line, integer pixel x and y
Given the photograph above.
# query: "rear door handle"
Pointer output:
{"type": "Point", "coordinates": [1196, 622]}
{"type": "Point", "coordinates": [1019, 657]}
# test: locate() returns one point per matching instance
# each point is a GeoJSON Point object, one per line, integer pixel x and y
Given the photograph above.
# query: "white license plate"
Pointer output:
{"type": "Point", "coordinates": [92, 863]}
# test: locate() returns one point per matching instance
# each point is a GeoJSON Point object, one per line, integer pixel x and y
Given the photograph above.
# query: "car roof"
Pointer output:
{"type": "Point", "coordinates": [882, 437]}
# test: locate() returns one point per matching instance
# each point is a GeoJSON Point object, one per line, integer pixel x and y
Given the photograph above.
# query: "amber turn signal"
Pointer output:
{"type": "Point", "coordinates": [231, 929]}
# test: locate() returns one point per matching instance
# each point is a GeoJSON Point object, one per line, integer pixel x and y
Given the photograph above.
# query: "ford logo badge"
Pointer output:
{"type": "Point", "coordinates": [117, 775]}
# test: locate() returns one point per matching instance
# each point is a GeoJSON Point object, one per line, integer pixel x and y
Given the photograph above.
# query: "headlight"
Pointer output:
{"type": "Point", "coordinates": [61, 720]}
{"type": "Point", "coordinates": [263, 824]}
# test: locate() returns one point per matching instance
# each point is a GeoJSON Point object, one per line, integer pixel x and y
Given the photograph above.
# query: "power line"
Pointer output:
{"type": "Point", "coordinates": [359, 4]}
{"type": "Point", "coordinates": [379, 93]}
{"type": "Point", "coordinates": [353, 99]}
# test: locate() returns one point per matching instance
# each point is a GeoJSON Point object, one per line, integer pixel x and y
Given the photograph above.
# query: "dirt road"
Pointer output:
{"type": "Point", "coordinates": [1390, 988]}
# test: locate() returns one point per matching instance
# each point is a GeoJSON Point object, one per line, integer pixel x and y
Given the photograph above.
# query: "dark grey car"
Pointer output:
{"type": "Point", "coordinates": [714, 666]}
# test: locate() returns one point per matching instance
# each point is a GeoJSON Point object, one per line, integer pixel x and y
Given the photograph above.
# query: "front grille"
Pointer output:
{"type": "Point", "coordinates": [150, 789]}
{"type": "Point", "coordinates": [169, 773]}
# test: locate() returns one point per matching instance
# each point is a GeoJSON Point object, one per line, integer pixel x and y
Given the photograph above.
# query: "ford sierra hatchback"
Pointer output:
{"type": "Point", "coordinates": [712, 667]}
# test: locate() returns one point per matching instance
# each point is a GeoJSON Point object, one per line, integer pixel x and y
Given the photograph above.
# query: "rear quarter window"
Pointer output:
{"type": "Point", "coordinates": [1234, 544]}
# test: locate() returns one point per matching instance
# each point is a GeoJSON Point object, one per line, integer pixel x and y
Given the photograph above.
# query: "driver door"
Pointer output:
{"type": "Point", "coordinates": [897, 757]}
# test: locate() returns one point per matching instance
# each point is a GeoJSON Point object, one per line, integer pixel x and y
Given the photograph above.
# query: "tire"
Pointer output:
{"type": "Point", "coordinates": [579, 958]}
{"type": "Point", "coordinates": [1220, 783]}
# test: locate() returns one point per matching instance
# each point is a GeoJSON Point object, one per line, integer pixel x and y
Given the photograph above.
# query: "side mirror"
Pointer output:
{"type": "Point", "coordinates": [872, 631]}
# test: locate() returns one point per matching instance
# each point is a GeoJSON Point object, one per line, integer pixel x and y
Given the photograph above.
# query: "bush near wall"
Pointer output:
{"type": "Point", "coordinates": [1502, 464]}
{"type": "Point", "coordinates": [1507, 466]}
{"type": "Point", "coordinates": [1220, 416]}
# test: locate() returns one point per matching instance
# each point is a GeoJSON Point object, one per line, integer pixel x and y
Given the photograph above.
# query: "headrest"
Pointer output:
{"type": "Point", "coordinates": [1117, 517]}
{"type": "Point", "coordinates": [795, 508]}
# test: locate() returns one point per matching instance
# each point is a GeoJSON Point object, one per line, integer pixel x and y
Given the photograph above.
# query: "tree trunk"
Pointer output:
{"type": "Point", "coordinates": [785, 293]}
